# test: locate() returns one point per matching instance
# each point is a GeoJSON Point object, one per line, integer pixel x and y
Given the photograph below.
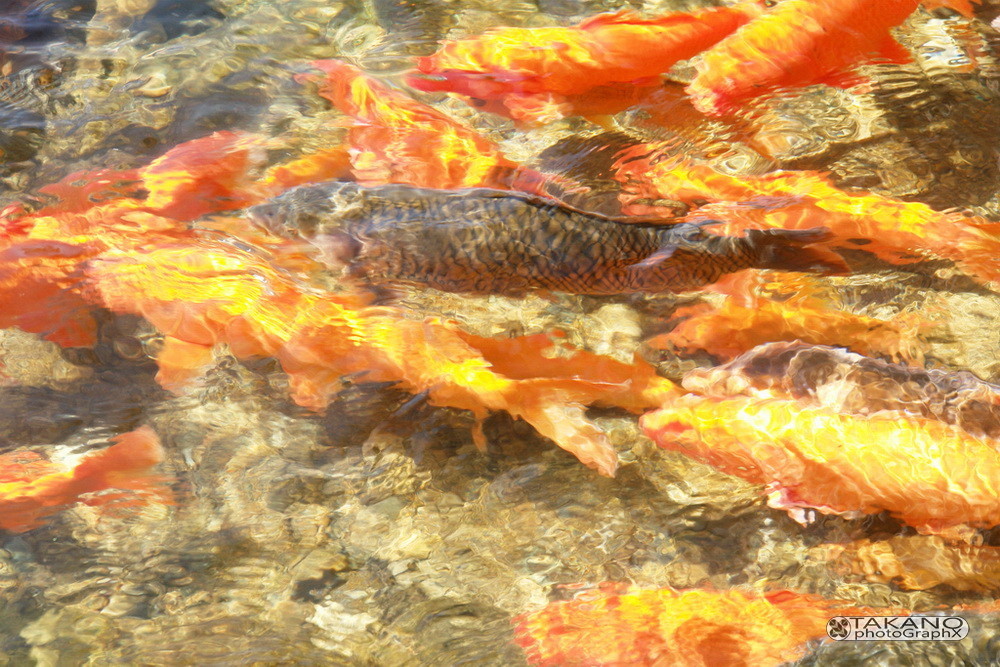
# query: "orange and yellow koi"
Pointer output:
{"type": "Point", "coordinates": [681, 628]}
{"type": "Point", "coordinates": [896, 231]}
{"type": "Point", "coordinates": [329, 164]}
{"type": "Point", "coordinates": [33, 488]}
{"type": "Point", "coordinates": [764, 308]}
{"type": "Point", "coordinates": [122, 251]}
{"type": "Point", "coordinates": [847, 382]}
{"type": "Point", "coordinates": [42, 253]}
{"type": "Point", "coordinates": [799, 43]}
{"type": "Point", "coordinates": [201, 176]}
{"type": "Point", "coordinates": [396, 139]}
{"type": "Point", "coordinates": [601, 66]}
{"type": "Point", "coordinates": [933, 476]}
{"type": "Point", "coordinates": [37, 291]}
{"type": "Point", "coordinates": [202, 294]}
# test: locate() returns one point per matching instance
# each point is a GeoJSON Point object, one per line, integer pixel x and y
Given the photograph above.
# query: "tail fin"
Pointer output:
{"type": "Point", "coordinates": [133, 452]}
{"type": "Point", "coordinates": [794, 250]}
{"type": "Point", "coordinates": [123, 466]}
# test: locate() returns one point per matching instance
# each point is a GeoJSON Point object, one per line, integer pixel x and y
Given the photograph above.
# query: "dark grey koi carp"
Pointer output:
{"type": "Point", "coordinates": [484, 241]}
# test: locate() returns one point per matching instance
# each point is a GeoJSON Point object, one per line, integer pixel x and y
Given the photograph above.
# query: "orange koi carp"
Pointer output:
{"type": "Point", "coordinates": [798, 43]}
{"type": "Point", "coordinates": [785, 307]}
{"type": "Point", "coordinates": [734, 328]}
{"type": "Point", "coordinates": [329, 164]}
{"type": "Point", "coordinates": [200, 295]}
{"type": "Point", "coordinates": [896, 231]}
{"type": "Point", "coordinates": [37, 282]}
{"type": "Point", "coordinates": [801, 43]}
{"type": "Point", "coordinates": [42, 253]}
{"type": "Point", "coordinates": [396, 139]}
{"type": "Point", "coordinates": [848, 382]}
{"type": "Point", "coordinates": [933, 476]}
{"type": "Point", "coordinates": [682, 628]}
{"type": "Point", "coordinates": [205, 175]}
{"type": "Point", "coordinates": [33, 488]}
{"type": "Point", "coordinates": [601, 66]}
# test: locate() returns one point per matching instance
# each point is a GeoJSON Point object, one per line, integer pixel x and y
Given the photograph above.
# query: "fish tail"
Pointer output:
{"type": "Point", "coordinates": [133, 452]}
{"type": "Point", "coordinates": [124, 465]}
{"type": "Point", "coordinates": [796, 250]}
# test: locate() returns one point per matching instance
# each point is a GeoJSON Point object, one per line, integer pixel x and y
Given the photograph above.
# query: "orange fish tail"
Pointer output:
{"type": "Point", "coordinates": [135, 451]}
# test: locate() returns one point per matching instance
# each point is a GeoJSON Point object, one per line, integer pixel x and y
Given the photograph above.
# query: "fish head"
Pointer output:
{"type": "Point", "coordinates": [267, 216]}
{"type": "Point", "coordinates": [307, 211]}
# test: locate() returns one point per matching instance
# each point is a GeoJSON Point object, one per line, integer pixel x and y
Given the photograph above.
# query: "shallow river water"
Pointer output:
{"type": "Point", "coordinates": [317, 468]}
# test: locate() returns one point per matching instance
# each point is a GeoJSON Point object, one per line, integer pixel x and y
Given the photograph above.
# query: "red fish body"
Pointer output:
{"type": "Point", "coordinates": [798, 43]}
{"type": "Point", "coordinates": [32, 488]}
{"type": "Point", "coordinates": [540, 74]}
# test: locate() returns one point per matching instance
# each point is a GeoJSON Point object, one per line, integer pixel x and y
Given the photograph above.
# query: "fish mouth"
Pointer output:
{"type": "Point", "coordinates": [268, 217]}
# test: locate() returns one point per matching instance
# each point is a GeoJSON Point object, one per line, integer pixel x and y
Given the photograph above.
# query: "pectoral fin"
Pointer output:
{"type": "Point", "coordinates": [654, 260]}
{"type": "Point", "coordinates": [337, 249]}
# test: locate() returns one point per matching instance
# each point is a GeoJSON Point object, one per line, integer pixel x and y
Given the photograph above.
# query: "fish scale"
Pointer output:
{"type": "Point", "coordinates": [483, 241]}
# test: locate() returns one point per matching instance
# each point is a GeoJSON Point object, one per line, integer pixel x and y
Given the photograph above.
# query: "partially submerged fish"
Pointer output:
{"type": "Point", "coordinates": [801, 43]}
{"type": "Point", "coordinates": [393, 138]}
{"type": "Point", "coordinates": [200, 293]}
{"type": "Point", "coordinates": [896, 231]}
{"type": "Point", "coordinates": [44, 253]}
{"type": "Point", "coordinates": [763, 307]}
{"type": "Point", "coordinates": [493, 242]}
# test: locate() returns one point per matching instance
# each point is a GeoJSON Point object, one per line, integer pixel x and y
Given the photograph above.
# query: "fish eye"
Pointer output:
{"type": "Point", "coordinates": [477, 102]}
{"type": "Point", "coordinates": [265, 216]}
{"type": "Point", "coordinates": [770, 3]}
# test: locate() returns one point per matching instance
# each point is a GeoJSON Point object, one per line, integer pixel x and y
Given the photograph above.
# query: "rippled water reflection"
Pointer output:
{"type": "Point", "coordinates": [360, 475]}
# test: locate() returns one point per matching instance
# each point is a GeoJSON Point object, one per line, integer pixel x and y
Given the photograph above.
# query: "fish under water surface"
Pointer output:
{"type": "Point", "coordinates": [323, 469]}
{"type": "Point", "coordinates": [483, 241]}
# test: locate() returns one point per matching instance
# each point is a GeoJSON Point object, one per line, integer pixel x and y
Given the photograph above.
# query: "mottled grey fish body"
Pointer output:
{"type": "Point", "coordinates": [496, 242]}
